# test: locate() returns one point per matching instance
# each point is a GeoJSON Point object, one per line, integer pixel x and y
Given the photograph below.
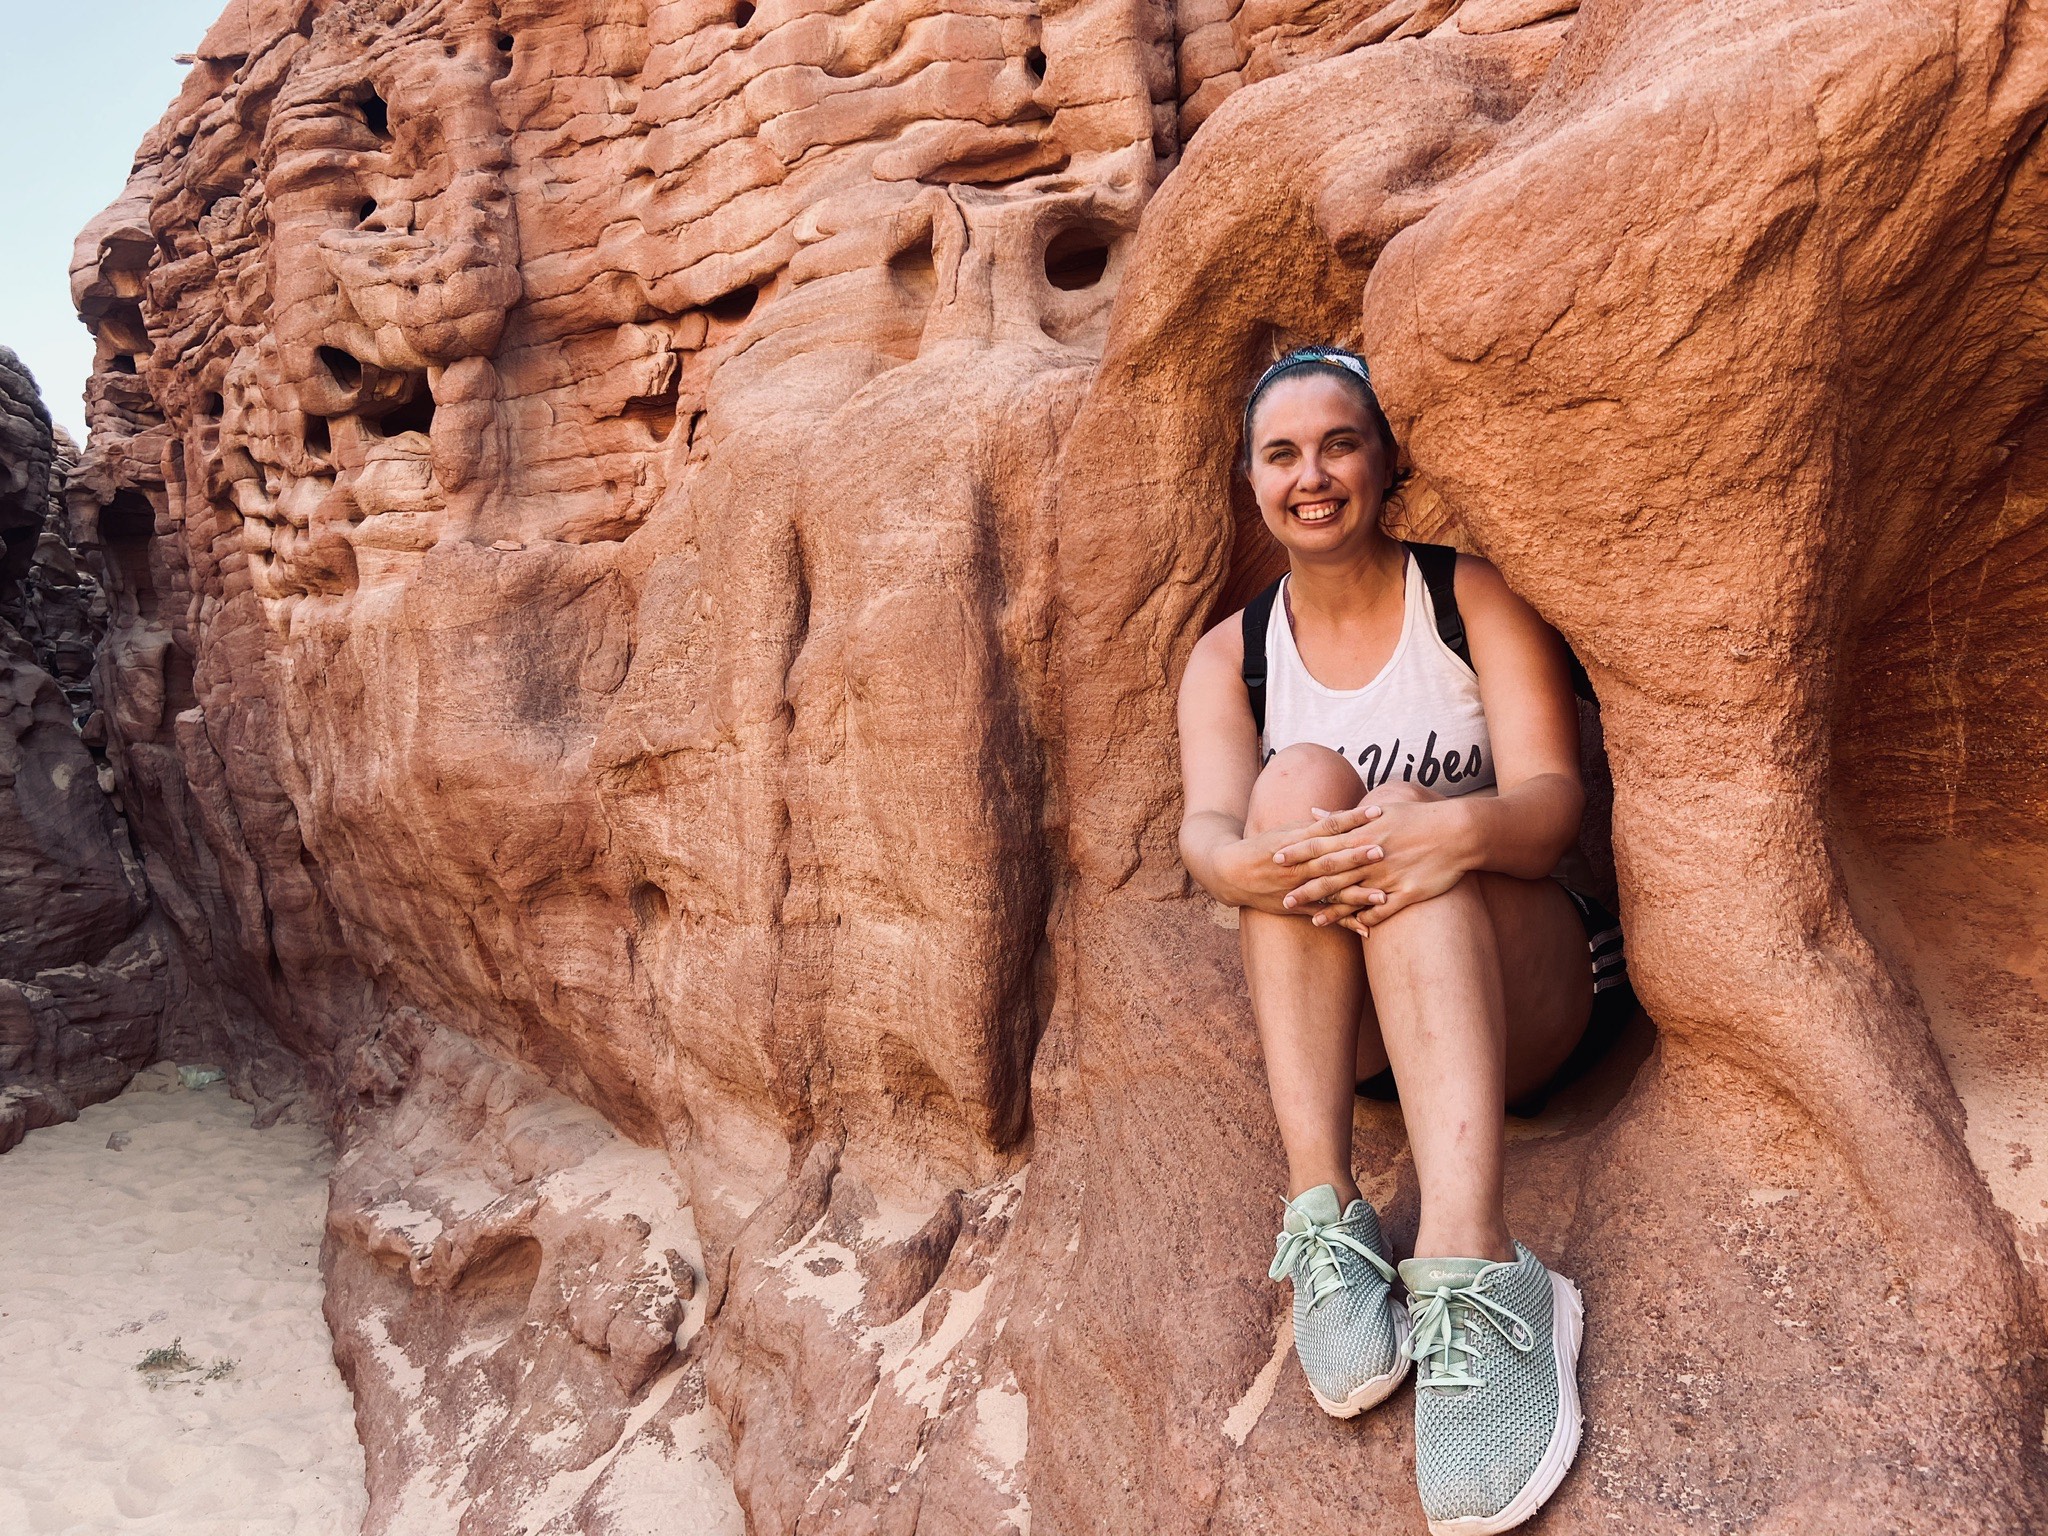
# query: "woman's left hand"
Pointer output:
{"type": "Point", "coordinates": [1366, 864]}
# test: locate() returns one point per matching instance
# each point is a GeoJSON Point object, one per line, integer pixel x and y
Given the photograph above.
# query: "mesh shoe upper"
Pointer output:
{"type": "Point", "coordinates": [1344, 1329]}
{"type": "Point", "coordinates": [1486, 1381]}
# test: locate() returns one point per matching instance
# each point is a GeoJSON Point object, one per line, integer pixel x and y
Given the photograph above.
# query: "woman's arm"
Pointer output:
{"type": "Point", "coordinates": [1219, 763]}
{"type": "Point", "coordinates": [1413, 850]}
{"type": "Point", "coordinates": [1525, 687]}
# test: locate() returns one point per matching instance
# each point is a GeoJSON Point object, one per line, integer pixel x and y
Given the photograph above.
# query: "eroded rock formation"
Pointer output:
{"type": "Point", "coordinates": [649, 546]}
{"type": "Point", "coordinates": [81, 986]}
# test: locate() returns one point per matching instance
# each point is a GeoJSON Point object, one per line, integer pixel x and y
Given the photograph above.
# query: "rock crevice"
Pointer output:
{"type": "Point", "coordinates": [645, 551]}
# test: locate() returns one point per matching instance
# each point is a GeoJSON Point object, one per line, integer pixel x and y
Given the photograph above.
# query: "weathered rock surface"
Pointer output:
{"type": "Point", "coordinates": [508, 1275]}
{"type": "Point", "coordinates": [81, 984]}
{"type": "Point", "coordinates": [648, 546]}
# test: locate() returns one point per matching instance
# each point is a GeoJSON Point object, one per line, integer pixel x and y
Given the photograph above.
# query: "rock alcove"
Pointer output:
{"type": "Point", "coordinates": [646, 697]}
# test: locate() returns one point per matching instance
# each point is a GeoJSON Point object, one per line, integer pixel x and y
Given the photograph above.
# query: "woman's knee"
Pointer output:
{"type": "Point", "coordinates": [1297, 782]}
{"type": "Point", "coordinates": [1466, 898]}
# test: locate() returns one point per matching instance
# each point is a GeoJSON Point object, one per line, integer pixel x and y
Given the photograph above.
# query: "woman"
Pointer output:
{"type": "Point", "coordinates": [1387, 832]}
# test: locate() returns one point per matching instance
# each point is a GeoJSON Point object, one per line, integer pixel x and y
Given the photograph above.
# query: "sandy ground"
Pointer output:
{"type": "Point", "coordinates": [201, 1232]}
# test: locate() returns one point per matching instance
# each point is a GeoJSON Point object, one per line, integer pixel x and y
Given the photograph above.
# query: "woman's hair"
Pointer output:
{"type": "Point", "coordinates": [1347, 368]}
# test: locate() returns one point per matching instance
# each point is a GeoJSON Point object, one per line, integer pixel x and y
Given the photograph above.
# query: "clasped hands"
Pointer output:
{"type": "Point", "coordinates": [1356, 868]}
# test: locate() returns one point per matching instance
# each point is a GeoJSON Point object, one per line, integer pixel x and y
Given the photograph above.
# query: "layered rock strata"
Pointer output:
{"type": "Point", "coordinates": [648, 550]}
{"type": "Point", "coordinates": [81, 982]}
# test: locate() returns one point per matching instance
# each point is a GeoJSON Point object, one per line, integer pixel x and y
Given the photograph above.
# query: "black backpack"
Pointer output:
{"type": "Point", "coordinates": [1438, 564]}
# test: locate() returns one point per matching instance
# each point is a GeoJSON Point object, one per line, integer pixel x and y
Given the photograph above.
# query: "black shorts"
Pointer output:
{"type": "Point", "coordinates": [1613, 1001]}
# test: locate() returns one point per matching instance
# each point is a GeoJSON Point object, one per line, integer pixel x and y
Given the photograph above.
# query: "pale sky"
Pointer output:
{"type": "Point", "coordinates": [80, 84]}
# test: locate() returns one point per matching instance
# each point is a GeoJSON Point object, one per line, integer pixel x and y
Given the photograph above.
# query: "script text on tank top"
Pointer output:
{"type": "Point", "coordinates": [1376, 764]}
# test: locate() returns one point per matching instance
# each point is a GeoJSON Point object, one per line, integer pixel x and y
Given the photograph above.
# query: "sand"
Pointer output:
{"type": "Point", "coordinates": [201, 1231]}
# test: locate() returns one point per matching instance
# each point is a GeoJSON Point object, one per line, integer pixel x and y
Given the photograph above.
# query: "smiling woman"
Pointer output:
{"type": "Point", "coordinates": [1380, 757]}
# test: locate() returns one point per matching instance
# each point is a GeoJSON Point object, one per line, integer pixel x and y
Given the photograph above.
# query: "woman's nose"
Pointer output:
{"type": "Point", "coordinates": [1313, 475]}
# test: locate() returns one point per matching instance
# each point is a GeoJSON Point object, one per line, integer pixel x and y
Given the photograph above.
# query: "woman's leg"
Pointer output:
{"type": "Point", "coordinates": [1537, 934]}
{"type": "Point", "coordinates": [1307, 985]}
{"type": "Point", "coordinates": [1460, 1042]}
{"type": "Point", "coordinates": [1436, 974]}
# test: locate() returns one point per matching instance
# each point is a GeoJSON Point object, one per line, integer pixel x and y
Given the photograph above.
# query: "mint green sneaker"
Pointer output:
{"type": "Point", "coordinates": [1496, 1349]}
{"type": "Point", "coordinates": [1349, 1332]}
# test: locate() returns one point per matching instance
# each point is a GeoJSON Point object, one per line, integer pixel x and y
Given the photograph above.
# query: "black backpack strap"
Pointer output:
{"type": "Point", "coordinates": [1439, 566]}
{"type": "Point", "coordinates": [1257, 613]}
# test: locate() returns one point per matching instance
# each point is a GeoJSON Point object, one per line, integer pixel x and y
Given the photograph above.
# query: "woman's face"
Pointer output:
{"type": "Point", "coordinates": [1317, 466]}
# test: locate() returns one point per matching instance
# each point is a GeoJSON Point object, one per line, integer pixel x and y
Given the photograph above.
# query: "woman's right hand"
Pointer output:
{"type": "Point", "coordinates": [1252, 865]}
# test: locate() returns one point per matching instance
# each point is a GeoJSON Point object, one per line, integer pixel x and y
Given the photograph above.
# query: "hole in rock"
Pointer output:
{"type": "Point", "coordinates": [415, 413]}
{"type": "Point", "coordinates": [800, 621]}
{"type": "Point", "coordinates": [367, 211]}
{"type": "Point", "coordinates": [916, 281]}
{"type": "Point", "coordinates": [181, 673]}
{"type": "Point", "coordinates": [121, 362]}
{"type": "Point", "coordinates": [1077, 258]}
{"type": "Point", "coordinates": [318, 439]}
{"type": "Point", "coordinates": [656, 412]}
{"type": "Point", "coordinates": [213, 407]}
{"type": "Point", "coordinates": [376, 114]}
{"type": "Point", "coordinates": [912, 267]}
{"type": "Point", "coordinates": [504, 42]}
{"type": "Point", "coordinates": [127, 528]}
{"type": "Point", "coordinates": [21, 543]}
{"type": "Point", "coordinates": [346, 370]}
{"type": "Point", "coordinates": [742, 14]}
{"type": "Point", "coordinates": [121, 328]}
{"type": "Point", "coordinates": [493, 1292]}
{"type": "Point", "coordinates": [1035, 62]}
{"type": "Point", "coordinates": [650, 904]}
{"type": "Point", "coordinates": [733, 307]}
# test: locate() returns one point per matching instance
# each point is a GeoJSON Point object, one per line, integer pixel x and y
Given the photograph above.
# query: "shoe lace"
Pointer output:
{"type": "Point", "coordinates": [1447, 1324]}
{"type": "Point", "coordinates": [1319, 1242]}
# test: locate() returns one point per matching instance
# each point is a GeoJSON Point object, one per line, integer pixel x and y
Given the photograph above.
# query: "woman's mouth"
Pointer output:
{"type": "Point", "coordinates": [1317, 511]}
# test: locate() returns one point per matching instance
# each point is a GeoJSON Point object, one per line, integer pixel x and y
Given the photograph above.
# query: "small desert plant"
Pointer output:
{"type": "Point", "coordinates": [168, 1366]}
{"type": "Point", "coordinates": [169, 1359]}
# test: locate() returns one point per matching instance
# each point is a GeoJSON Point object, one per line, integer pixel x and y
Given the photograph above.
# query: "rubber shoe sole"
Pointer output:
{"type": "Point", "coordinates": [1370, 1394]}
{"type": "Point", "coordinates": [1568, 1314]}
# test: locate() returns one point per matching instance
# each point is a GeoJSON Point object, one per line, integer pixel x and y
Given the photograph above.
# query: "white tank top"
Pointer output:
{"type": "Point", "coordinates": [1419, 721]}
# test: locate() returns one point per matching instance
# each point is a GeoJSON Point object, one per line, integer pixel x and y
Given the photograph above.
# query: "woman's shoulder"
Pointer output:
{"type": "Point", "coordinates": [1495, 615]}
{"type": "Point", "coordinates": [1483, 593]}
{"type": "Point", "coordinates": [1219, 655]}
{"type": "Point", "coordinates": [1224, 640]}
{"type": "Point", "coordinates": [1476, 574]}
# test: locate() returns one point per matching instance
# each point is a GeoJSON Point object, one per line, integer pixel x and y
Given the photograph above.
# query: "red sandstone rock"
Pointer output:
{"type": "Point", "coordinates": [646, 572]}
{"type": "Point", "coordinates": [507, 1276]}
{"type": "Point", "coordinates": [82, 986]}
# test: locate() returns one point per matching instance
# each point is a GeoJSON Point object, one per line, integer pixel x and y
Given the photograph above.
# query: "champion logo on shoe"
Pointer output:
{"type": "Point", "coordinates": [1448, 1272]}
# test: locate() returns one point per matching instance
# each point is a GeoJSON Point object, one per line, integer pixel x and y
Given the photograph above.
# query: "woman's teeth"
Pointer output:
{"type": "Point", "coordinates": [1317, 511]}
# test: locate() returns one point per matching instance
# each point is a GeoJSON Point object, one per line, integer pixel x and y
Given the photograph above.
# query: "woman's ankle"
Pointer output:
{"type": "Point", "coordinates": [1469, 1240]}
{"type": "Point", "coordinates": [1347, 1188]}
